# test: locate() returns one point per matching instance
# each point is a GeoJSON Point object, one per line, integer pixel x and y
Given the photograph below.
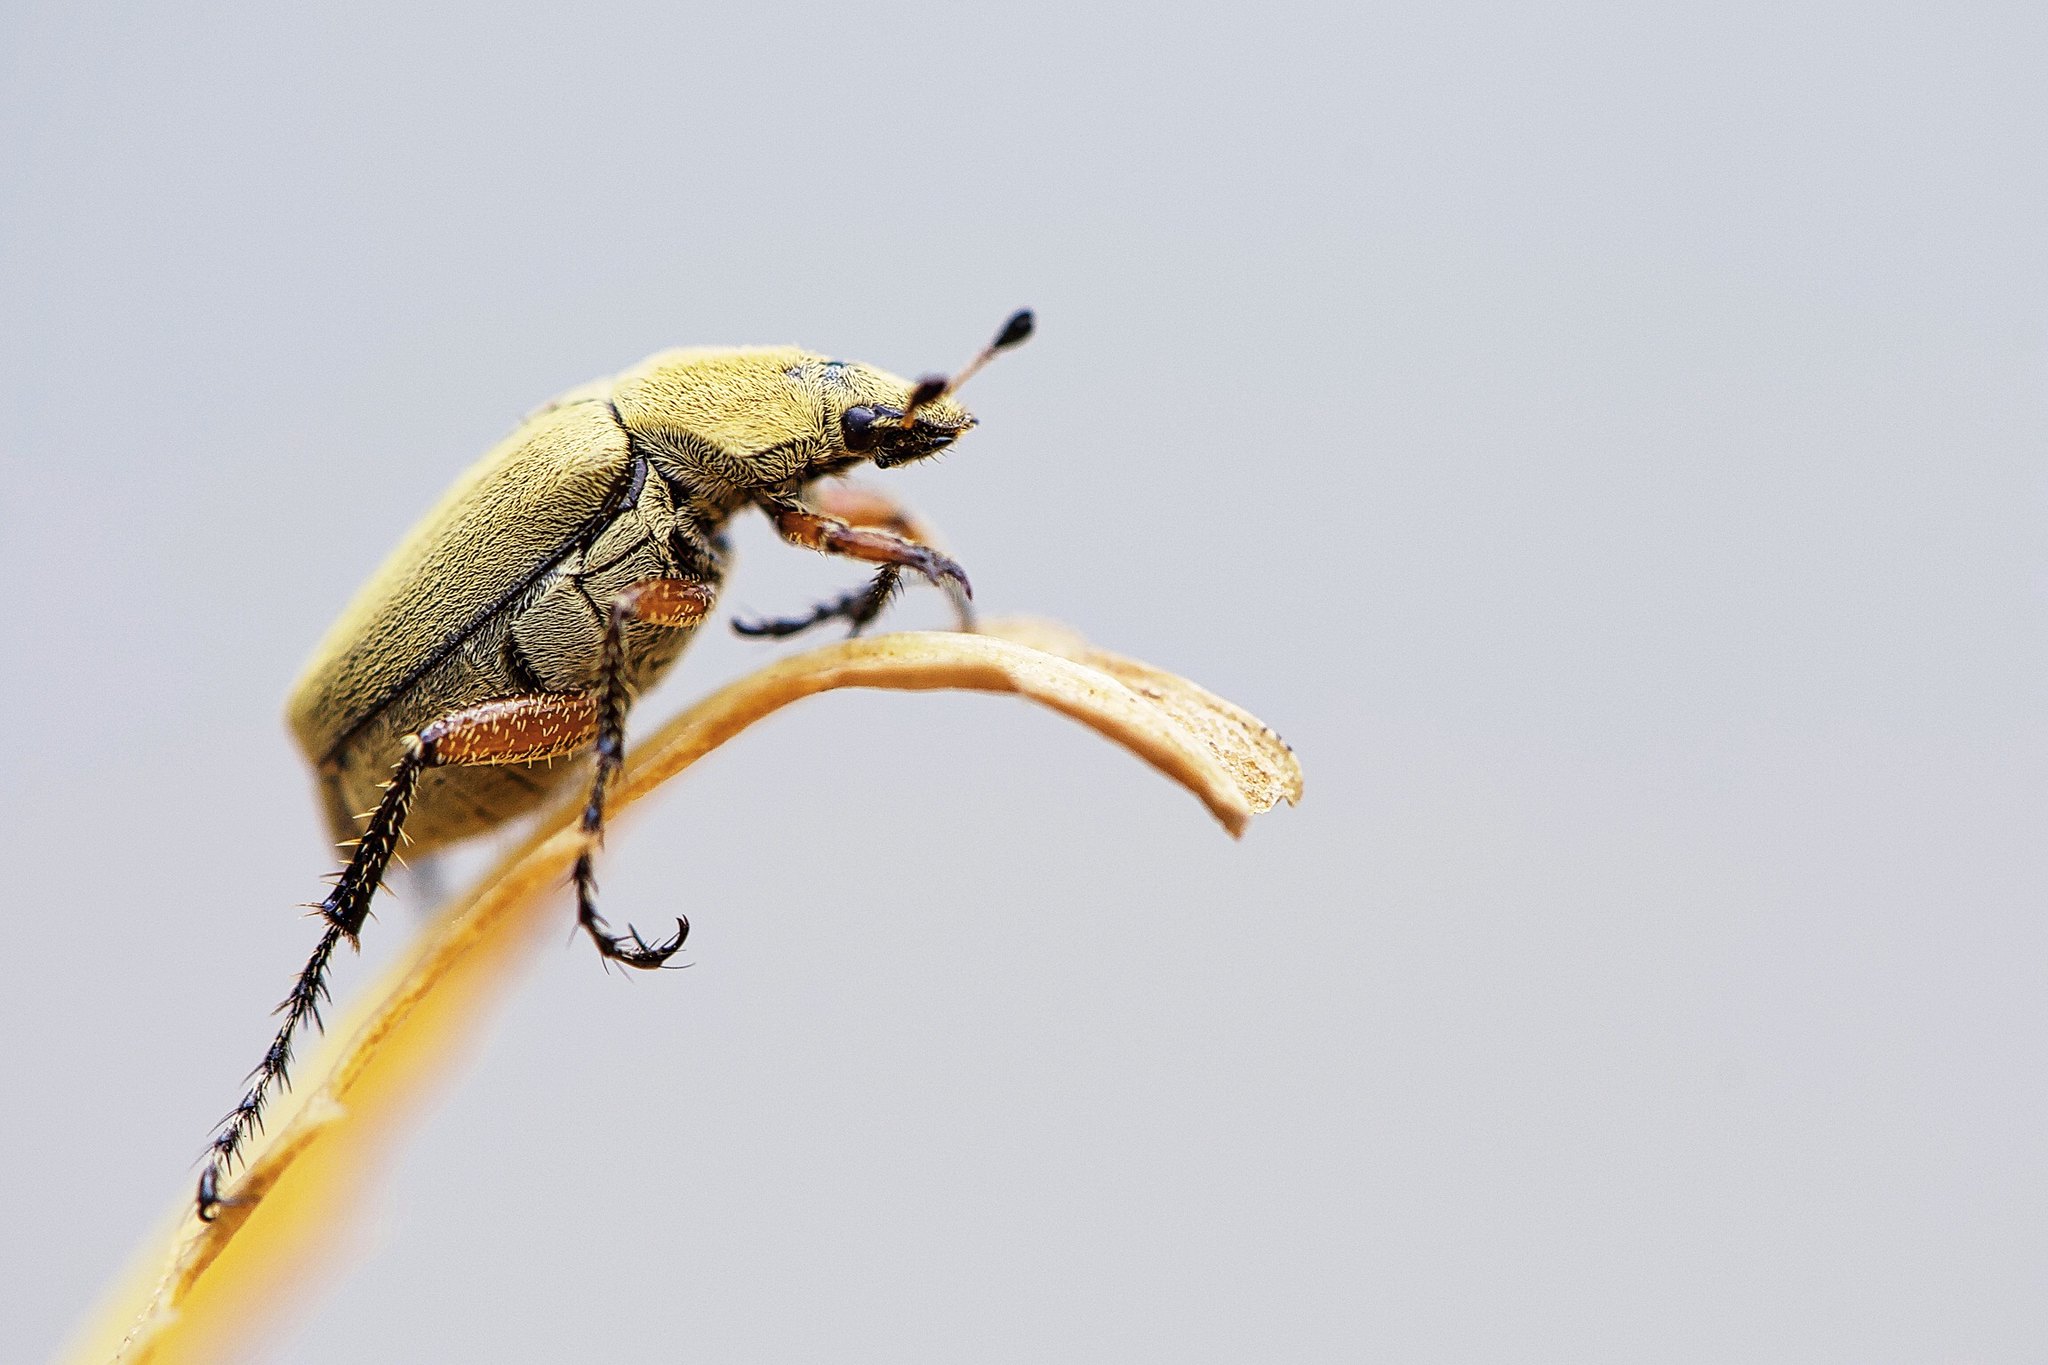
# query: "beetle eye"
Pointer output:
{"type": "Point", "coordinates": [859, 426]}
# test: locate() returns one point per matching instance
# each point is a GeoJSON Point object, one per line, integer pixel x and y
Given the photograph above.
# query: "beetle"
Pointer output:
{"type": "Point", "coordinates": [558, 578]}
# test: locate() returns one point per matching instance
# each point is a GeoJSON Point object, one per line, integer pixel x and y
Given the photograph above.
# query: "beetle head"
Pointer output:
{"type": "Point", "coordinates": [866, 410]}
{"type": "Point", "coordinates": [891, 422]}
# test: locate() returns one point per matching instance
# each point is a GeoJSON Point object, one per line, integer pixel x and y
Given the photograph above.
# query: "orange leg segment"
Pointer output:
{"type": "Point", "coordinates": [862, 523]}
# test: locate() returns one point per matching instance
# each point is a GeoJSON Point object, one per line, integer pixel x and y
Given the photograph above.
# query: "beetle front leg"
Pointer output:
{"type": "Point", "coordinates": [799, 525]}
{"type": "Point", "coordinates": [857, 608]}
{"type": "Point", "coordinates": [658, 601]}
{"type": "Point", "coordinates": [860, 505]}
{"type": "Point", "coordinates": [863, 524]}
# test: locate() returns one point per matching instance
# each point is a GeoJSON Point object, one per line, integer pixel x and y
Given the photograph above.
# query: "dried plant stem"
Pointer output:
{"type": "Point", "coordinates": [207, 1288]}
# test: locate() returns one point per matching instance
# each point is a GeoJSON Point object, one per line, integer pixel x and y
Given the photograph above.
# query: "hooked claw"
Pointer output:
{"type": "Point", "coordinates": [937, 569]}
{"type": "Point", "coordinates": [642, 954]}
{"type": "Point", "coordinates": [211, 1201]}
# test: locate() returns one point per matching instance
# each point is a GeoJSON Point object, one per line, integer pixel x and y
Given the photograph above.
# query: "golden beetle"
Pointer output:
{"type": "Point", "coordinates": [559, 577]}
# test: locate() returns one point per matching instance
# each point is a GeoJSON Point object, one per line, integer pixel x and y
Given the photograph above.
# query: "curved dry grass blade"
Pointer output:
{"type": "Point", "coordinates": [207, 1288]}
{"type": "Point", "coordinates": [1261, 765]}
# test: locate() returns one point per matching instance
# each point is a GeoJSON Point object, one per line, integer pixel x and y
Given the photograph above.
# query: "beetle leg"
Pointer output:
{"type": "Point", "coordinates": [861, 523]}
{"type": "Point", "coordinates": [658, 601]}
{"type": "Point", "coordinates": [858, 607]}
{"type": "Point", "coordinates": [860, 505]}
{"type": "Point", "coordinates": [514, 730]}
{"type": "Point", "coordinates": [799, 525]}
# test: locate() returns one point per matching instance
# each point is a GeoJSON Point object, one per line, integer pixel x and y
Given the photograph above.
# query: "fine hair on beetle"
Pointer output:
{"type": "Point", "coordinates": [557, 580]}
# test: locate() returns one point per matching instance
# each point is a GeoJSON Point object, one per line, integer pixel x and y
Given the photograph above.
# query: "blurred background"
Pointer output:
{"type": "Point", "coordinates": [1604, 439]}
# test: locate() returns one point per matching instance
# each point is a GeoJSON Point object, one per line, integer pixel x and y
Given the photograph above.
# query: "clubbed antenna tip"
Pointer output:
{"type": "Point", "coordinates": [933, 387]}
{"type": "Point", "coordinates": [1016, 331]}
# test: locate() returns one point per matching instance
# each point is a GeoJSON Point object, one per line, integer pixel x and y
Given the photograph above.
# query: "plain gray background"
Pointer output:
{"type": "Point", "coordinates": [1605, 439]}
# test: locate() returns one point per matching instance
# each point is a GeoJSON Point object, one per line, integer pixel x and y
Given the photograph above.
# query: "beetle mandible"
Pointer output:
{"type": "Point", "coordinates": [558, 578]}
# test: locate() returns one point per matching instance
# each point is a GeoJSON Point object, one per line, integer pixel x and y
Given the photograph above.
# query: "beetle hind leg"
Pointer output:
{"type": "Point", "coordinates": [514, 730]}
{"type": "Point", "coordinates": [511, 730]}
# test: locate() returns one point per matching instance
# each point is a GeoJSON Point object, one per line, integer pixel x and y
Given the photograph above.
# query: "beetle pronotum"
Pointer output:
{"type": "Point", "coordinates": [559, 577]}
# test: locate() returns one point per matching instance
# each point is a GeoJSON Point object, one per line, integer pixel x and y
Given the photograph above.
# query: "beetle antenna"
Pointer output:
{"type": "Point", "coordinates": [933, 387]}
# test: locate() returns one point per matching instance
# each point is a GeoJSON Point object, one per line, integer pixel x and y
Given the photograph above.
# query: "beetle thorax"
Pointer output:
{"type": "Point", "coordinates": [724, 421]}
